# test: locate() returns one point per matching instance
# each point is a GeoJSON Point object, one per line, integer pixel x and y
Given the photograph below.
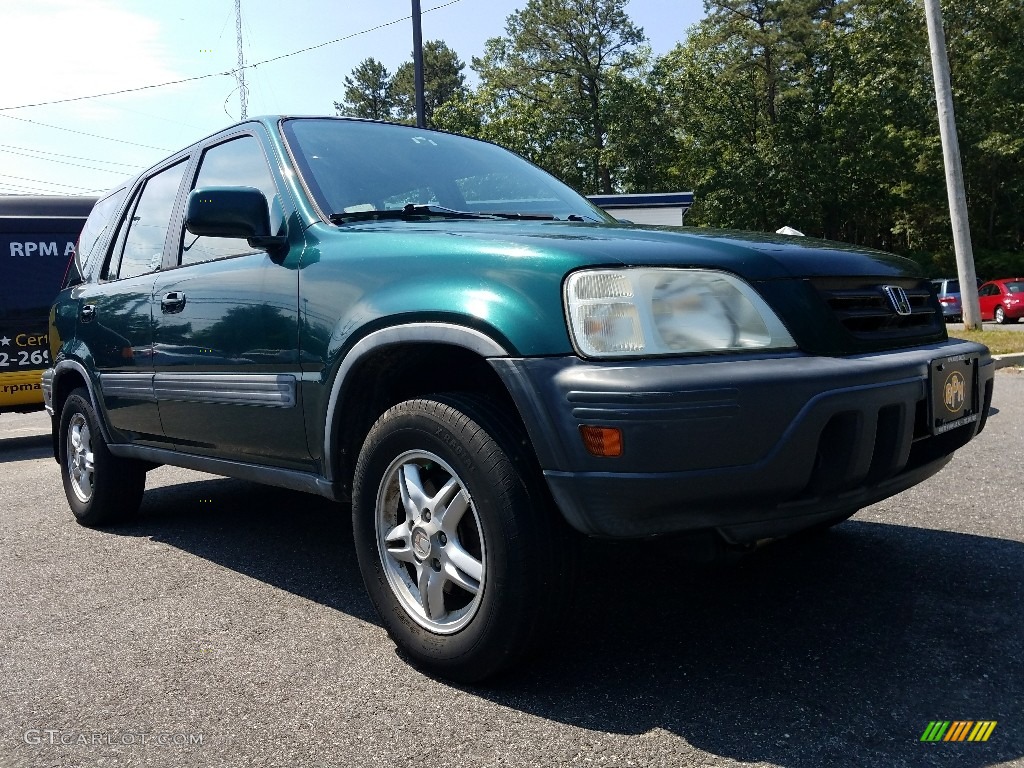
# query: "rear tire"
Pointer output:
{"type": "Point", "coordinates": [1000, 316]}
{"type": "Point", "coordinates": [461, 551]}
{"type": "Point", "coordinates": [101, 488]}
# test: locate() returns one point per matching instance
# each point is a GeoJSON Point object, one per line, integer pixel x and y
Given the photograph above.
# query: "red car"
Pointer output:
{"type": "Point", "coordinates": [1002, 300]}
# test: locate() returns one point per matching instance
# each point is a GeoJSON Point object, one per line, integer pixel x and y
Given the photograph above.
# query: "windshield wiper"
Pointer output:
{"type": "Point", "coordinates": [523, 216]}
{"type": "Point", "coordinates": [411, 210]}
{"type": "Point", "coordinates": [405, 212]}
{"type": "Point", "coordinates": [540, 216]}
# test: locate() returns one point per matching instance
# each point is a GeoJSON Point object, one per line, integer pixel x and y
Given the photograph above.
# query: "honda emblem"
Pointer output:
{"type": "Point", "coordinates": [898, 298]}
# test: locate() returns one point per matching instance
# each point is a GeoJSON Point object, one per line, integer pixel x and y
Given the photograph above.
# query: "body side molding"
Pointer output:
{"type": "Point", "coordinates": [138, 386]}
{"type": "Point", "coordinates": [267, 389]}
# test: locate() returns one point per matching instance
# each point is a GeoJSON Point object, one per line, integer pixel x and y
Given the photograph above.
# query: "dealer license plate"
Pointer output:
{"type": "Point", "coordinates": [954, 392]}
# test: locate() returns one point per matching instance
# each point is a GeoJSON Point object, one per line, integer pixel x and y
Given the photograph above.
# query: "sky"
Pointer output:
{"type": "Point", "coordinates": [63, 49]}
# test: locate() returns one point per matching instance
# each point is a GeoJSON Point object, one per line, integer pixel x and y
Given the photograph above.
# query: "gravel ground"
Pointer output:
{"type": "Point", "coordinates": [234, 615]}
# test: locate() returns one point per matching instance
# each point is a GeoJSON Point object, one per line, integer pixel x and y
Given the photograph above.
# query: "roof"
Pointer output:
{"type": "Point", "coordinates": [46, 206]}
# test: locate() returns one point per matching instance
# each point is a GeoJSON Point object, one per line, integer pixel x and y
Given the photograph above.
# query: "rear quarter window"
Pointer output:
{"type": "Point", "coordinates": [96, 231]}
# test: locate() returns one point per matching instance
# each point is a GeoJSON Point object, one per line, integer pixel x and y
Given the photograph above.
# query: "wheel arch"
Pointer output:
{"type": "Point", "coordinates": [69, 375]}
{"type": "Point", "coordinates": [391, 365]}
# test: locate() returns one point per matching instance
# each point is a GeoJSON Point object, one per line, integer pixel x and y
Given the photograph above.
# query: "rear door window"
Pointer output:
{"type": "Point", "coordinates": [143, 247]}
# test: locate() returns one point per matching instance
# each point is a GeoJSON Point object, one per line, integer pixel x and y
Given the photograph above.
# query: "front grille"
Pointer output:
{"type": "Point", "coordinates": [867, 313]}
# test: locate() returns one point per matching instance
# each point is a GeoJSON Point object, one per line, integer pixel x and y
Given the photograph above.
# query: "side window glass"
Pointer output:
{"type": "Point", "coordinates": [236, 163]}
{"type": "Point", "coordinates": [113, 263]}
{"type": "Point", "coordinates": [144, 244]}
{"type": "Point", "coordinates": [95, 227]}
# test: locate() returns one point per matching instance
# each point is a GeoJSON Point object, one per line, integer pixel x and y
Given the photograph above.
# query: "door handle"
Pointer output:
{"type": "Point", "coordinates": [172, 302]}
{"type": "Point", "coordinates": [87, 313]}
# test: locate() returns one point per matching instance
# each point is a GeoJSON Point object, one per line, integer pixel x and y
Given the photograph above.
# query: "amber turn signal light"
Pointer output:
{"type": "Point", "coordinates": [602, 441]}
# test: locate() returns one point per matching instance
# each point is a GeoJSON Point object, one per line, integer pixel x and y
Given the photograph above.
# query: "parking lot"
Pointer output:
{"type": "Point", "coordinates": [228, 626]}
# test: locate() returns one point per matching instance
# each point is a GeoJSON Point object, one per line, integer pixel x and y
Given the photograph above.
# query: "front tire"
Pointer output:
{"type": "Point", "coordinates": [459, 547]}
{"type": "Point", "coordinates": [101, 488]}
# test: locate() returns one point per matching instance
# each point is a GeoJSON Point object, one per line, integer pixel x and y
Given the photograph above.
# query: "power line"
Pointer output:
{"type": "Point", "coordinates": [19, 189]}
{"type": "Point", "coordinates": [73, 157]}
{"type": "Point", "coordinates": [65, 162]}
{"type": "Point", "coordinates": [83, 133]}
{"type": "Point", "coordinates": [231, 73]}
{"type": "Point", "coordinates": [349, 37]}
{"type": "Point", "coordinates": [13, 189]}
{"type": "Point", "coordinates": [123, 90]}
{"type": "Point", "coordinates": [47, 183]}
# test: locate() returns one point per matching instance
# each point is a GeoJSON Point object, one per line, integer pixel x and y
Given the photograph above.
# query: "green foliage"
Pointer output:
{"type": "Point", "coordinates": [820, 114]}
{"type": "Point", "coordinates": [368, 92]}
{"type": "Point", "coordinates": [372, 92]}
{"type": "Point", "coordinates": [546, 86]}
{"type": "Point", "coordinates": [443, 80]}
{"type": "Point", "coordinates": [988, 87]}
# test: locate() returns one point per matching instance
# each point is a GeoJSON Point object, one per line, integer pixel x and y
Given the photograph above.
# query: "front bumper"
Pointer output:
{"type": "Point", "coordinates": [47, 387]}
{"type": "Point", "coordinates": [751, 446]}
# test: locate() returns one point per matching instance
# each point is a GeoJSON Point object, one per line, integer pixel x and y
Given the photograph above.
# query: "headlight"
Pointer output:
{"type": "Point", "coordinates": [634, 312]}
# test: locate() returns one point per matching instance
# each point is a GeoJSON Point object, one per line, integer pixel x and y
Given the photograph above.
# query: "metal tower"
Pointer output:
{"type": "Point", "coordinates": [240, 72]}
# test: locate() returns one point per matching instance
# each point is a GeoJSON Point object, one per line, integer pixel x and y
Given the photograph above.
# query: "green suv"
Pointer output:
{"type": "Point", "coordinates": [485, 365]}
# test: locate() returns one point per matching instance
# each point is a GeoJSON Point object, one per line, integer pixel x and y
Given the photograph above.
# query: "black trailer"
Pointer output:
{"type": "Point", "coordinates": [38, 237]}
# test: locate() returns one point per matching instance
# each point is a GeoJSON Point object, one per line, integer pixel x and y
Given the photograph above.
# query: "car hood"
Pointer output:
{"type": "Point", "coordinates": [754, 256]}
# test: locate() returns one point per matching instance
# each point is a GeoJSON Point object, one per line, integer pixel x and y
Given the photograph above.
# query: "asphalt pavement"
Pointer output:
{"type": "Point", "coordinates": [228, 626]}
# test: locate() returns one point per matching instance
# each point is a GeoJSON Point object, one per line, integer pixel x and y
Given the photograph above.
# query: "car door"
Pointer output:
{"type": "Point", "coordinates": [988, 297]}
{"type": "Point", "coordinates": [225, 332]}
{"type": "Point", "coordinates": [115, 322]}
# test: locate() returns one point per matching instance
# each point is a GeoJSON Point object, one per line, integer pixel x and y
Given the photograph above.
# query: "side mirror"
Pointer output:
{"type": "Point", "coordinates": [233, 212]}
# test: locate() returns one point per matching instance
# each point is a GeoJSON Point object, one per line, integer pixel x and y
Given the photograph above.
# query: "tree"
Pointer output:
{"type": "Point", "coordinates": [443, 80]}
{"type": "Point", "coordinates": [551, 72]}
{"type": "Point", "coordinates": [820, 114]}
{"type": "Point", "coordinates": [812, 113]}
{"type": "Point", "coordinates": [988, 88]}
{"type": "Point", "coordinates": [642, 146]}
{"type": "Point", "coordinates": [369, 92]}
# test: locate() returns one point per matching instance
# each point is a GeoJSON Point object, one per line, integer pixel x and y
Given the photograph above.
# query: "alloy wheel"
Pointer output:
{"type": "Point", "coordinates": [430, 542]}
{"type": "Point", "coordinates": [81, 468]}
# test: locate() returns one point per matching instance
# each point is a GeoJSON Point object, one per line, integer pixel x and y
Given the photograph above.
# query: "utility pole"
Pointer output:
{"type": "Point", "coordinates": [417, 58]}
{"type": "Point", "coordinates": [954, 170]}
{"type": "Point", "coordinates": [240, 72]}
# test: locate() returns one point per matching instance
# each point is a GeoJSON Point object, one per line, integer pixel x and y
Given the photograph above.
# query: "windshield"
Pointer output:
{"type": "Point", "coordinates": [352, 167]}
